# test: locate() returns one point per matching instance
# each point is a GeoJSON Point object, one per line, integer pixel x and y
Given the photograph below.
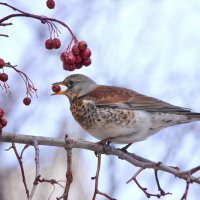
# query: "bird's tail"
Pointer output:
{"type": "Point", "coordinates": [194, 116]}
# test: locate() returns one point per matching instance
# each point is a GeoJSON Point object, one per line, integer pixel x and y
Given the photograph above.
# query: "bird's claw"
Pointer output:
{"type": "Point", "coordinates": [104, 143]}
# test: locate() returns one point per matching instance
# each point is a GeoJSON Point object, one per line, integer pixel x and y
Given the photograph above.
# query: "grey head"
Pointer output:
{"type": "Point", "coordinates": [79, 84]}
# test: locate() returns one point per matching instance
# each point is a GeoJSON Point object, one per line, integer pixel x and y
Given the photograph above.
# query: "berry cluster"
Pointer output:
{"type": "Point", "coordinates": [3, 121]}
{"type": "Point", "coordinates": [56, 88]}
{"type": "Point", "coordinates": [52, 43]}
{"type": "Point", "coordinates": [50, 4]}
{"type": "Point", "coordinates": [4, 78]}
{"type": "Point", "coordinates": [76, 58]}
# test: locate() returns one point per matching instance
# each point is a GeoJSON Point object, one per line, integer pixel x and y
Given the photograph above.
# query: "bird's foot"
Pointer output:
{"type": "Point", "coordinates": [124, 149]}
{"type": "Point", "coordinates": [105, 143]}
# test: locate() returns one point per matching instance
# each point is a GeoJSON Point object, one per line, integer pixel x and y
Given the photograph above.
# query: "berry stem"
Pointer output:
{"type": "Point", "coordinates": [43, 19]}
{"type": "Point", "coordinates": [30, 88]}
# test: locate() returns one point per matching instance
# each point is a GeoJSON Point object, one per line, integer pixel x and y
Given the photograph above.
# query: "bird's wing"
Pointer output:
{"type": "Point", "coordinates": [122, 98]}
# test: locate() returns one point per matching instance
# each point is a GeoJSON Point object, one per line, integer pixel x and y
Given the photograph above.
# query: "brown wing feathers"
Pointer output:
{"type": "Point", "coordinates": [117, 97]}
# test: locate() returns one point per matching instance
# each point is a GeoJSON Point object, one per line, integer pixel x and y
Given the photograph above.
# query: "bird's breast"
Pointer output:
{"type": "Point", "coordinates": [83, 112]}
{"type": "Point", "coordinates": [102, 122]}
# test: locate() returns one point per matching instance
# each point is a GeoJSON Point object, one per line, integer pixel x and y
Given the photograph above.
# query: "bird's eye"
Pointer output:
{"type": "Point", "coordinates": [71, 84]}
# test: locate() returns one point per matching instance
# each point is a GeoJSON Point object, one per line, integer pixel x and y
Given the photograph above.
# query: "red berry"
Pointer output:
{"type": "Point", "coordinates": [27, 101]}
{"type": "Point", "coordinates": [2, 63]}
{"type": "Point", "coordinates": [56, 43]}
{"type": "Point", "coordinates": [63, 56]}
{"type": "Point", "coordinates": [1, 113]}
{"type": "Point", "coordinates": [68, 67]}
{"type": "Point", "coordinates": [3, 122]}
{"type": "Point", "coordinates": [86, 53]}
{"type": "Point", "coordinates": [75, 50]}
{"type": "Point", "coordinates": [3, 77]}
{"type": "Point", "coordinates": [50, 4]}
{"type": "Point", "coordinates": [86, 62]}
{"type": "Point", "coordinates": [56, 88]}
{"type": "Point", "coordinates": [49, 43]}
{"type": "Point", "coordinates": [82, 45]}
{"type": "Point", "coordinates": [79, 65]}
{"type": "Point", "coordinates": [78, 60]}
{"type": "Point", "coordinates": [70, 58]}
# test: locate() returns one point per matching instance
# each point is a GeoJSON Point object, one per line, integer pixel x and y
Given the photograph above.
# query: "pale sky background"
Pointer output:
{"type": "Point", "coordinates": [150, 46]}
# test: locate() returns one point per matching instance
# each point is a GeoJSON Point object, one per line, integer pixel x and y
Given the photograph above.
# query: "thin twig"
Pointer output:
{"type": "Point", "coordinates": [162, 192]}
{"type": "Point", "coordinates": [4, 35]}
{"type": "Point", "coordinates": [53, 182]}
{"type": "Point", "coordinates": [69, 175]}
{"type": "Point", "coordinates": [135, 175]}
{"type": "Point", "coordinates": [188, 182]}
{"type": "Point", "coordinates": [96, 178]}
{"type": "Point", "coordinates": [25, 147]}
{"type": "Point", "coordinates": [43, 19]}
{"type": "Point", "coordinates": [6, 24]}
{"type": "Point", "coordinates": [37, 169]}
{"type": "Point", "coordinates": [144, 190]}
{"type": "Point", "coordinates": [21, 167]}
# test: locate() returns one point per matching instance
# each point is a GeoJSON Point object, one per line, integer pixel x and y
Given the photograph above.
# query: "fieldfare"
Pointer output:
{"type": "Point", "coordinates": [117, 114]}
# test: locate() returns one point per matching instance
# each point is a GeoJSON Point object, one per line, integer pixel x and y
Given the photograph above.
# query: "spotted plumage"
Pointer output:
{"type": "Point", "coordinates": [118, 114]}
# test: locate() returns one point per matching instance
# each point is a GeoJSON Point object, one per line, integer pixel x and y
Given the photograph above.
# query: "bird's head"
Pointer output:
{"type": "Point", "coordinates": [77, 85]}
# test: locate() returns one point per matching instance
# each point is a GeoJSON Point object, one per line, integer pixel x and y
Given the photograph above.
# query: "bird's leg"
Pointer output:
{"type": "Point", "coordinates": [104, 144]}
{"type": "Point", "coordinates": [124, 149]}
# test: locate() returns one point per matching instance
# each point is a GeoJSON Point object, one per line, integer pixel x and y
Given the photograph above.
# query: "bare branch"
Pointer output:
{"type": "Point", "coordinates": [129, 157]}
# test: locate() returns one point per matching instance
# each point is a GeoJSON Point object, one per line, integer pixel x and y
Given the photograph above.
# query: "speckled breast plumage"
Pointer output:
{"type": "Point", "coordinates": [102, 123]}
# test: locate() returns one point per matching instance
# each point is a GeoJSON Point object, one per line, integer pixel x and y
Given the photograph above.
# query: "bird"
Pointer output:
{"type": "Point", "coordinates": [119, 115]}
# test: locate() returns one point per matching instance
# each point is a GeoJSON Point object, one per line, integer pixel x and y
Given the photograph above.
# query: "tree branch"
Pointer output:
{"type": "Point", "coordinates": [129, 157]}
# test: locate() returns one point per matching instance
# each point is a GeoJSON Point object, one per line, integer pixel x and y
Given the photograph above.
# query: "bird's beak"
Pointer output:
{"type": "Point", "coordinates": [60, 92]}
